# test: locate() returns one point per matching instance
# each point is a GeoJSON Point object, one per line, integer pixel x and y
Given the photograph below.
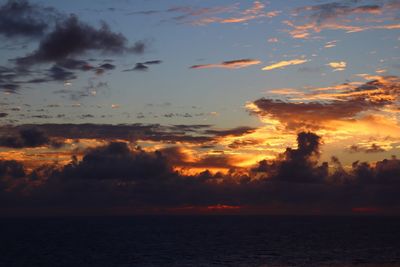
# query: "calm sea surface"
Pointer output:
{"type": "Point", "coordinates": [200, 241]}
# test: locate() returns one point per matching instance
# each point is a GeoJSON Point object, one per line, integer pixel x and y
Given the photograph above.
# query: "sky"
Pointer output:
{"type": "Point", "coordinates": [199, 107]}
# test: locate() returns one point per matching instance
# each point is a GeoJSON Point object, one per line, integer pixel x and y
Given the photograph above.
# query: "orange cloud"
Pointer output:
{"type": "Point", "coordinates": [284, 63]}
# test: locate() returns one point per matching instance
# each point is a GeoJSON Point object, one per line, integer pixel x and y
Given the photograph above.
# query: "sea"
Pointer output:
{"type": "Point", "coordinates": [200, 241]}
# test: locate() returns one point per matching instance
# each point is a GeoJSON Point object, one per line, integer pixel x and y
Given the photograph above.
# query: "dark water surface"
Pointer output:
{"type": "Point", "coordinates": [200, 241]}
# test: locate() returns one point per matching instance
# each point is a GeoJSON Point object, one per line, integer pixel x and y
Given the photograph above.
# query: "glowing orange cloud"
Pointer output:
{"type": "Point", "coordinates": [282, 64]}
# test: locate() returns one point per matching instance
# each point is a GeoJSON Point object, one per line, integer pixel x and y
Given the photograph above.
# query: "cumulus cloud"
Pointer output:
{"type": "Point", "coordinates": [285, 63]}
{"type": "Point", "coordinates": [115, 176]}
{"type": "Point", "coordinates": [232, 64]}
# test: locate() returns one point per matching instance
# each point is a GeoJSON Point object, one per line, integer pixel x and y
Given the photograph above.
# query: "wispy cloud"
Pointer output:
{"type": "Point", "coordinates": [285, 63]}
{"type": "Point", "coordinates": [232, 64]}
{"type": "Point", "coordinates": [342, 15]}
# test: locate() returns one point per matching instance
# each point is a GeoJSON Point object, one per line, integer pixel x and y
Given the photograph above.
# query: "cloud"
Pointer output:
{"type": "Point", "coordinates": [231, 132]}
{"type": "Point", "coordinates": [347, 16]}
{"type": "Point", "coordinates": [232, 64]}
{"type": "Point", "coordinates": [220, 14]}
{"type": "Point", "coordinates": [283, 64]}
{"type": "Point", "coordinates": [344, 103]}
{"type": "Point", "coordinates": [143, 66]}
{"type": "Point", "coordinates": [115, 176]}
{"type": "Point", "coordinates": [373, 148]}
{"type": "Point", "coordinates": [19, 18]}
{"type": "Point", "coordinates": [28, 137]}
{"type": "Point", "coordinates": [337, 66]}
{"type": "Point", "coordinates": [196, 134]}
{"type": "Point", "coordinates": [72, 37]}
{"type": "Point", "coordinates": [11, 169]}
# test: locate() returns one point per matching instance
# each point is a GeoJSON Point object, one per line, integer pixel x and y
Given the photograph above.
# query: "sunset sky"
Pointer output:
{"type": "Point", "coordinates": [212, 106]}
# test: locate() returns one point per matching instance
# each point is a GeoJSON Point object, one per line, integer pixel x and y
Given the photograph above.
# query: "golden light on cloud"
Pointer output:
{"type": "Point", "coordinates": [338, 65]}
{"type": "Point", "coordinates": [285, 63]}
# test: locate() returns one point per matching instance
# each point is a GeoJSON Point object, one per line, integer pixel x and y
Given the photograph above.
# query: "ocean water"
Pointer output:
{"type": "Point", "coordinates": [200, 241]}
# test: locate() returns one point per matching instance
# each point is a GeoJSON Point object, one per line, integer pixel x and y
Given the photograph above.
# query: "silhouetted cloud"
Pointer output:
{"type": "Point", "coordinates": [116, 175]}
{"type": "Point", "coordinates": [232, 64]}
{"type": "Point", "coordinates": [239, 131]}
{"type": "Point", "coordinates": [11, 169]}
{"type": "Point", "coordinates": [373, 148]}
{"type": "Point", "coordinates": [72, 37]}
{"type": "Point", "coordinates": [22, 18]}
{"type": "Point", "coordinates": [197, 134]}
{"type": "Point", "coordinates": [28, 137]}
{"type": "Point", "coordinates": [143, 66]}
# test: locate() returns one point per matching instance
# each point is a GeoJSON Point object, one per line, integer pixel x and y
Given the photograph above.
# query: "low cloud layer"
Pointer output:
{"type": "Point", "coordinates": [116, 176]}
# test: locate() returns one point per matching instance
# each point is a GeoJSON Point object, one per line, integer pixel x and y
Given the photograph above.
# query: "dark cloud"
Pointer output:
{"type": "Point", "coordinates": [231, 64]}
{"type": "Point", "coordinates": [238, 131]}
{"type": "Point", "coordinates": [59, 74]}
{"type": "Point", "coordinates": [75, 64]}
{"type": "Point", "coordinates": [152, 62]}
{"type": "Point", "coordinates": [139, 67]}
{"type": "Point", "coordinates": [7, 80]}
{"type": "Point", "coordinates": [117, 161]}
{"type": "Point", "coordinates": [133, 132]}
{"type": "Point", "coordinates": [12, 169]}
{"type": "Point", "coordinates": [107, 66]}
{"type": "Point", "coordinates": [373, 148]}
{"type": "Point", "coordinates": [27, 137]}
{"type": "Point", "coordinates": [116, 175]}
{"type": "Point", "coordinates": [3, 114]}
{"type": "Point", "coordinates": [21, 18]}
{"type": "Point", "coordinates": [142, 66]}
{"type": "Point", "coordinates": [72, 37]}
{"type": "Point", "coordinates": [297, 165]}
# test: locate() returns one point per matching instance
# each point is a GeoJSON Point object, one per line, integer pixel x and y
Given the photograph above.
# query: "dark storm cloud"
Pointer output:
{"type": "Point", "coordinates": [115, 175]}
{"type": "Point", "coordinates": [72, 37]}
{"type": "Point", "coordinates": [21, 18]}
